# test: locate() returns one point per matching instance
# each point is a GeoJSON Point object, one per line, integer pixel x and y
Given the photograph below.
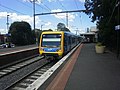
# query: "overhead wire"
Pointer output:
{"type": "Point", "coordinates": [63, 7]}
{"type": "Point", "coordinates": [42, 7]}
{"type": "Point", "coordinates": [112, 11]}
{"type": "Point", "coordinates": [46, 7]}
{"type": "Point", "coordinates": [11, 9]}
{"type": "Point", "coordinates": [79, 12]}
{"type": "Point", "coordinates": [61, 4]}
{"type": "Point", "coordinates": [24, 4]}
{"type": "Point", "coordinates": [51, 10]}
{"type": "Point", "coordinates": [66, 10]}
{"type": "Point", "coordinates": [31, 7]}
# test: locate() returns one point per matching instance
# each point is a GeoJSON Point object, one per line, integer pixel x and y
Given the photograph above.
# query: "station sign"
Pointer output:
{"type": "Point", "coordinates": [9, 34]}
{"type": "Point", "coordinates": [117, 27]}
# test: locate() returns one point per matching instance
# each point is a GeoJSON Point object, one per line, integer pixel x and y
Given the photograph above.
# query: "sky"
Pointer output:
{"type": "Point", "coordinates": [22, 10]}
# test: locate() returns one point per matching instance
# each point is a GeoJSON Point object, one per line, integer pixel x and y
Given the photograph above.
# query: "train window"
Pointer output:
{"type": "Point", "coordinates": [51, 36]}
{"type": "Point", "coordinates": [51, 40]}
{"type": "Point", "coordinates": [65, 40]}
{"type": "Point", "coordinates": [69, 40]}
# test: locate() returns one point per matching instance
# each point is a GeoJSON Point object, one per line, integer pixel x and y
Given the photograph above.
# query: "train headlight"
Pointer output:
{"type": "Point", "coordinates": [59, 49]}
{"type": "Point", "coordinates": [41, 48]}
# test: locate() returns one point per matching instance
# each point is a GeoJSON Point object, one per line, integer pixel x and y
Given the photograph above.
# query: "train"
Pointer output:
{"type": "Point", "coordinates": [57, 43]}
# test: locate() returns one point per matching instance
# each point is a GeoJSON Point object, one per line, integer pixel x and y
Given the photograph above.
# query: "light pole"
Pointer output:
{"type": "Point", "coordinates": [76, 30]}
{"type": "Point", "coordinates": [34, 14]}
{"type": "Point", "coordinates": [33, 1]}
{"type": "Point", "coordinates": [7, 22]}
{"type": "Point", "coordinates": [117, 29]}
{"type": "Point", "coordinates": [67, 19]}
{"type": "Point", "coordinates": [41, 27]}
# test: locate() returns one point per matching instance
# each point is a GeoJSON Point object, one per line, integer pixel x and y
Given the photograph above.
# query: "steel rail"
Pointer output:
{"type": "Point", "coordinates": [29, 78]}
{"type": "Point", "coordinates": [18, 65]}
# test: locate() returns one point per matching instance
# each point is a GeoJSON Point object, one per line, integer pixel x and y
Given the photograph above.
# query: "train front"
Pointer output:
{"type": "Point", "coordinates": [51, 44]}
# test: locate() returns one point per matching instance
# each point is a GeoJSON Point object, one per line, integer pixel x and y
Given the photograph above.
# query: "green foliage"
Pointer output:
{"type": "Point", "coordinates": [37, 35]}
{"type": "Point", "coordinates": [21, 33]}
{"type": "Point", "coordinates": [99, 44]}
{"type": "Point", "coordinates": [61, 27]}
{"type": "Point", "coordinates": [105, 13]}
{"type": "Point", "coordinates": [48, 30]}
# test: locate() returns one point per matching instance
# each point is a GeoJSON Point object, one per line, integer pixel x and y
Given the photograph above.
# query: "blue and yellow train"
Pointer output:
{"type": "Point", "coordinates": [57, 43]}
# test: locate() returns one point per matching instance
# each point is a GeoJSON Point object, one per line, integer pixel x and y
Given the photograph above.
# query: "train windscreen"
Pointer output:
{"type": "Point", "coordinates": [51, 40]}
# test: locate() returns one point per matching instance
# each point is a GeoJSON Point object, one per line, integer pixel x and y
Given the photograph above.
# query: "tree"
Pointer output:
{"type": "Point", "coordinates": [47, 30]}
{"type": "Point", "coordinates": [105, 13]}
{"type": "Point", "coordinates": [66, 29]}
{"type": "Point", "coordinates": [61, 27]}
{"type": "Point", "coordinates": [37, 35]}
{"type": "Point", "coordinates": [21, 33]}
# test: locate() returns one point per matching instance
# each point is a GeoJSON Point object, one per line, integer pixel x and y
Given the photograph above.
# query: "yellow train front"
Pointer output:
{"type": "Point", "coordinates": [57, 43]}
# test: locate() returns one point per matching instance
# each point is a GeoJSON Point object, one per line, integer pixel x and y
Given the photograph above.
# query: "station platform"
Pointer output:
{"type": "Point", "coordinates": [87, 70]}
{"type": "Point", "coordinates": [5, 51]}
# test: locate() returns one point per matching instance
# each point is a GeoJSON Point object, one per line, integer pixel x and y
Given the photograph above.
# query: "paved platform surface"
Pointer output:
{"type": "Point", "coordinates": [94, 71]}
{"type": "Point", "coordinates": [9, 50]}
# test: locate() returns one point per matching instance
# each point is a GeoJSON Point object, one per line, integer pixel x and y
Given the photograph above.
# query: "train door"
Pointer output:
{"type": "Point", "coordinates": [69, 42]}
{"type": "Point", "coordinates": [65, 43]}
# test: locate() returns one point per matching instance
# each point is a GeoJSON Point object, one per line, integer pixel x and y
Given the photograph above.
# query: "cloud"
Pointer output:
{"type": "Point", "coordinates": [36, 1]}
{"type": "Point", "coordinates": [27, 18]}
{"type": "Point", "coordinates": [2, 31]}
{"type": "Point", "coordinates": [54, 0]}
{"type": "Point", "coordinates": [71, 16]}
{"type": "Point", "coordinates": [40, 1]}
{"type": "Point", "coordinates": [82, 1]}
{"type": "Point", "coordinates": [15, 17]}
{"type": "Point", "coordinates": [4, 14]}
{"type": "Point", "coordinates": [51, 0]}
{"type": "Point", "coordinates": [48, 24]}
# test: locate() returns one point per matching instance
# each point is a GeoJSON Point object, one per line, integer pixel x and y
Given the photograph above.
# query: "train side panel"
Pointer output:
{"type": "Point", "coordinates": [70, 41]}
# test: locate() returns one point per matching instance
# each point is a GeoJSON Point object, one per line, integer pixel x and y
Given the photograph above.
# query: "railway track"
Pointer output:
{"type": "Point", "coordinates": [18, 65]}
{"type": "Point", "coordinates": [25, 82]}
{"type": "Point", "coordinates": [16, 73]}
{"type": "Point", "coordinates": [29, 74]}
